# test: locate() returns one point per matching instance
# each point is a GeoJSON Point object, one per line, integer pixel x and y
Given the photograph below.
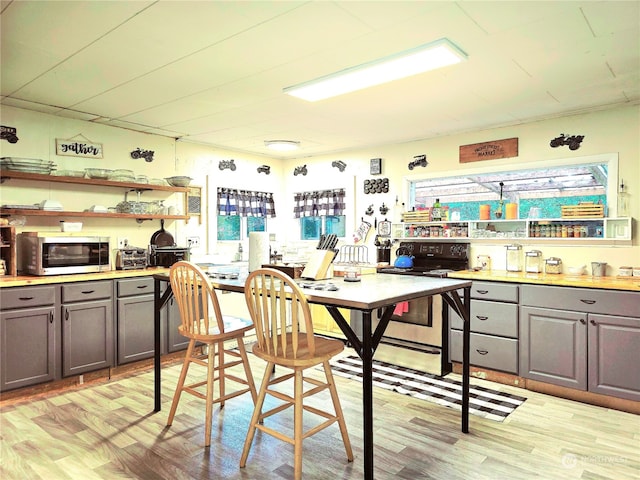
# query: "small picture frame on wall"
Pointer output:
{"type": "Point", "coordinates": [375, 166]}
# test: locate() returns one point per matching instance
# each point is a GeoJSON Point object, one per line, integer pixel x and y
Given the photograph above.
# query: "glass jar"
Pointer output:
{"type": "Point", "coordinates": [533, 261]}
{"type": "Point", "coordinates": [514, 258]}
{"type": "Point", "coordinates": [553, 265]}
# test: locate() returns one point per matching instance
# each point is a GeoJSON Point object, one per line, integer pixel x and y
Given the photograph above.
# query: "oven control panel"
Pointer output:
{"type": "Point", "coordinates": [437, 250]}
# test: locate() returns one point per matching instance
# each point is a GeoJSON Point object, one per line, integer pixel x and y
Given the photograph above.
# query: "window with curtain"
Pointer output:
{"type": "Point", "coordinates": [320, 212]}
{"type": "Point", "coordinates": [243, 207]}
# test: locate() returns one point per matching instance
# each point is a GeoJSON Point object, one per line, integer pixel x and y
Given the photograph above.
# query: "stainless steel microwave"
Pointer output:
{"type": "Point", "coordinates": [53, 254]}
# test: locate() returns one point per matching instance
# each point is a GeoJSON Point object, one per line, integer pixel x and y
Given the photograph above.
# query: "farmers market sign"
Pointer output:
{"type": "Point", "coordinates": [78, 147]}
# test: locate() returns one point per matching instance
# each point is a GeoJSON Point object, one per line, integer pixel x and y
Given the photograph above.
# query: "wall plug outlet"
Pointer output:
{"type": "Point", "coordinates": [193, 242]}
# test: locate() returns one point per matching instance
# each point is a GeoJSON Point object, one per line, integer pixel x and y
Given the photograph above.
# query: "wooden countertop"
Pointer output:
{"type": "Point", "coordinates": [27, 280]}
{"type": "Point", "coordinates": [631, 284]}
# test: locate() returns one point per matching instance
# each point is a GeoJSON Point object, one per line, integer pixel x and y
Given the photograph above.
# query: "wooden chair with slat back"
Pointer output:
{"type": "Point", "coordinates": [284, 331]}
{"type": "Point", "coordinates": [203, 323]}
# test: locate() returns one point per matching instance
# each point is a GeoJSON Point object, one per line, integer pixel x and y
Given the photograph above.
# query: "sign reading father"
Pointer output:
{"type": "Point", "coordinates": [489, 150]}
{"type": "Point", "coordinates": [78, 147]}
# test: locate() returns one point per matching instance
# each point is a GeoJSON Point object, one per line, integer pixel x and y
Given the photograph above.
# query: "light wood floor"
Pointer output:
{"type": "Point", "coordinates": [109, 431]}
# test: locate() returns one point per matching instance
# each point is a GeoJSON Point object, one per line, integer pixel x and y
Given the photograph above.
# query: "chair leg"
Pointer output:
{"type": "Point", "coordinates": [297, 426]}
{"type": "Point", "coordinates": [247, 369]}
{"type": "Point", "coordinates": [181, 379]}
{"type": "Point", "coordinates": [211, 356]}
{"type": "Point", "coordinates": [257, 411]}
{"type": "Point", "coordinates": [221, 379]}
{"type": "Point", "coordinates": [338, 410]}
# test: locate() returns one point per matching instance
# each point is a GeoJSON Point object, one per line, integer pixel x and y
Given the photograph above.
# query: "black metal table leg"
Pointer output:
{"type": "Point", "coordinates": [463, 308]}
{"type": "Point", "coordinates": [466, 338]}
{"type": "Point", "coordinates": [157, 305]}
{"type": "Point", "coordinates": [159, 301]}
{"type": "Point", "coordinates": [367, 394]}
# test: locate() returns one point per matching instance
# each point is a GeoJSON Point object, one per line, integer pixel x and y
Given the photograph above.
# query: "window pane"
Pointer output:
{"type": "Point", "coordinates": [310, 227]}
{"type": "Point", "coordinates": [335, 224]}
{"type": "Point", "coordinates": [228, 227]}
{"type": "Point", "coordinates": [547, 188]}
{"type": "Point", "coordinates": [256, 224]}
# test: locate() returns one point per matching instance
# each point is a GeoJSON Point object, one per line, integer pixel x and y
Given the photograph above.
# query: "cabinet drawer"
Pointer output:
{"type": "Point", "coordinates": [134, 286]}
{"type": "Point", "coordinates": [486, 351]}
{"type": "Point", "coordinates": [77, 292]}
{"type": "Point", "coordinates": [503, 292]}
{"type": "Point", "coordinates": [22, 297]}
{"type": "Point", "coordinates": [588, 300]}
{"type": "Point", "coordinates": [491, 317]}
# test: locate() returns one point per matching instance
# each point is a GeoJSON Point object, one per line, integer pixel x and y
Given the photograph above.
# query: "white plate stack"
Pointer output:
{"type": "Point", "coordinates": [27, 165]}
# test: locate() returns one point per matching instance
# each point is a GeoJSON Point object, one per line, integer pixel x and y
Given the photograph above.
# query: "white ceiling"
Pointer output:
{"type": "Point", "coordinates": [213, 72]}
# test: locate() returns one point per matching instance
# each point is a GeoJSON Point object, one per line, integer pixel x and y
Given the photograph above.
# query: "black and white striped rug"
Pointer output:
{"type": "Point", "coordinates": [483, 402]}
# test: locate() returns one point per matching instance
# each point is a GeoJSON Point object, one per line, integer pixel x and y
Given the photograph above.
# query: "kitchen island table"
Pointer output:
{"type": "Point", "coordinates": [373, 292]}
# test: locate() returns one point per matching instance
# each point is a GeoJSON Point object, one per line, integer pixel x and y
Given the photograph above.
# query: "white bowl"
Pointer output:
{"type": "Point", "coordinates": [576, 270]}
{"type": "Point", "coordinates": [179, 181]}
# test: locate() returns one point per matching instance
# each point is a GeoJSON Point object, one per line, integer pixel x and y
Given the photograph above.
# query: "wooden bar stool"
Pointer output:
{"type": "Point", "coordinates": [279, 308]}
{"type": "Point", "coordinates": [203, 322]}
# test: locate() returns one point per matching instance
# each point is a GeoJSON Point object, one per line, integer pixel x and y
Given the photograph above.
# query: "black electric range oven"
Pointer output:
{"type": "Point", "coordinates": [433, 259]}
{"type": "Point", "coordinates": [420, 325]}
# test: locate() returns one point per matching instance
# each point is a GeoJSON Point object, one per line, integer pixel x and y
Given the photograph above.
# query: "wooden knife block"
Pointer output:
{"type": "Point", "coordinates": [319, 266]}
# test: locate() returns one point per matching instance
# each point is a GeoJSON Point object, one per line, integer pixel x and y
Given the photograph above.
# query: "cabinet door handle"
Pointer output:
{"type": "Point", "coordinates": [480, 317]}
{"type": "Point", "coordinates": [482, 292]}
{"type": "Point", "coordinates": [482, 352]}
{"type": "Point", "coordinates": [582, 321]}
{"type": "Point", "coordinates": [588, 302]}
{"type": "Point", "coordinates": [66, 314]}
{"type": "Point", "coordinates": [26, 298]}
{"type": "Point", "coordinates": [50, 317]}
{"type": "Point", "coordinates": [142, 286]}
{"type": "Point", "coordinates": [87, 292]}
{"type": "Point", "coordinates": [593, 322]}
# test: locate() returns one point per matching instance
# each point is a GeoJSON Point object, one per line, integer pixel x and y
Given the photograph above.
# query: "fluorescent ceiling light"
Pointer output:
{"type": "Point", "coordinates": [282, 145]}
{"type": "Point", "coordinates": [431, 56]}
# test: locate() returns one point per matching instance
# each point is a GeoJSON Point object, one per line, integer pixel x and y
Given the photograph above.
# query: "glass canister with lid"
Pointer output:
{"type": "Point", "coordinates": [553, 265]}
{"type": "Point", "coordinates": [514, 257]}
{"type": "Point", "coordinates": [533, 261]}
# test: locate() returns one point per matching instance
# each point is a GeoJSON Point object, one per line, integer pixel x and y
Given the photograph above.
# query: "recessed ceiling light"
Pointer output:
{"type": "Point", "coordinates": [431, 56]}
{"type": "Point", "coordinates": [282, 145]}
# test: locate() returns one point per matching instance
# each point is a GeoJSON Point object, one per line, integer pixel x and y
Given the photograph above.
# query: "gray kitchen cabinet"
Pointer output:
{"type": "Point", "coordinates": [135, 319]}
{"type": "Point", "coordinates": [553, 346]}
{"type": "Point", "coordinates": [614, 355]}
{"type": "Point", "coordinates": [581, 338]}
{"type": "Point", "coordinates": [29, 349]}
{"type": "Point", "coordinates": [87, 327]}
{"type": "Point", "coordinates": [494, 327]}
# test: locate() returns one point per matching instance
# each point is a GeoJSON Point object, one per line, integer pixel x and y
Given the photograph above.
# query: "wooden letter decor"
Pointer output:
{"type": "Point", "coordinates": [489, 150]}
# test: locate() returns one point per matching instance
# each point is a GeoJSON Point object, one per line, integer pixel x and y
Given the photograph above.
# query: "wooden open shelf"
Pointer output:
{"type": "Point", "coordinates": [37, 177]}
{"type": "Point", "coordinates": [9, 174]}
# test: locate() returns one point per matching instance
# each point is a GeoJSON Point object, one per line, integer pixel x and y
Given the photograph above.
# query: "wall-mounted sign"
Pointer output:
{"type": "Point", "coordinates": [475, 152]}
{"type": "Point", "coordinates": [78, 146]}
